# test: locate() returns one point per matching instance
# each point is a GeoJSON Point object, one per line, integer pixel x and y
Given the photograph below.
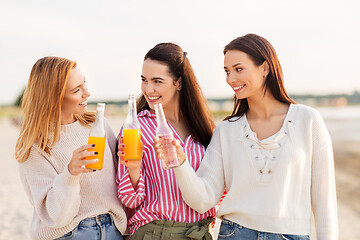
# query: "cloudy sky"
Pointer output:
{"type": "Point", "coordinates": [317, 41]}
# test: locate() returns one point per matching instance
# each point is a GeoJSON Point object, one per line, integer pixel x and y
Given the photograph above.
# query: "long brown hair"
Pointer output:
{"type": "Point", "coordinates": [259, 50]}
{"type": "Point", "coordinates": [41, 106]}
{"type": "Point", "coordinates": [193, 108]}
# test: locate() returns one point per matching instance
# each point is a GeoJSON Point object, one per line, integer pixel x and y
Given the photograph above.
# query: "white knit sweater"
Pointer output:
{"type": "Point", "coordinates": [61, 200]}
{"type": "Point", "coordinates": [273, 185]}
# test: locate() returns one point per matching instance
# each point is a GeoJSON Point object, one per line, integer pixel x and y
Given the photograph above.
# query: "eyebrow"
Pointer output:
{"type": "Point", "coordinates": [155, 78]}
{"type": "Point", "coordinates": [236, 64]}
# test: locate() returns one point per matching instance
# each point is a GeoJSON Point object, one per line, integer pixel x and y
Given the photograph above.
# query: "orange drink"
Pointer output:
{"type": "Point", "coordinates": [132, 143]}
{"type": "Point", "coordinates": [99, 147]}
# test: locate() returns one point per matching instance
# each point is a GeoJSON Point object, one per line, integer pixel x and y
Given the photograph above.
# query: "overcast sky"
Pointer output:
{"type": "Point", "coordinates": [317, 41]}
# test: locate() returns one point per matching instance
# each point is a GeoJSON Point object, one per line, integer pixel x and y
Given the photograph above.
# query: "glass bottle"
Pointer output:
{"type": "Point", "coordinates": [97, 136]}
{"type": "Point", "coordinates": [165, 135]}
{"type": "Point", "coordinates": [132, 132]}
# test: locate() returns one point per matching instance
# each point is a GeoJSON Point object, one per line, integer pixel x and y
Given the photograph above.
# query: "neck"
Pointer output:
{"type": "Point", "coordinates": [172, 114]}
{"type": "Point", "coordinates": [67, 118]}
{"type": "Point", "coordinates": [265, 107]}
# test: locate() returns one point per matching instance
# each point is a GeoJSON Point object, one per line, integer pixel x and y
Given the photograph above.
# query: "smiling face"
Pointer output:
{"type": "Point", "coordinates": [75, 98]}
{"type": "Point", "coordinates": [244, 77]}
{"type": "Point", "coordinates": [158, 85]}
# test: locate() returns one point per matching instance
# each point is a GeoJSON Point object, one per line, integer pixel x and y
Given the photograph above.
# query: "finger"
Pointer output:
{"type": "Point", "coordinates": [176, 143]}
{"type": "Point", "coordinates": [87, 162]}
{"type": "Point", "coordinates": [84, 147]}
{"type": "Point", "coordinates": [124, 162]}
{"type": "Point", "coordinates": [87, 154]}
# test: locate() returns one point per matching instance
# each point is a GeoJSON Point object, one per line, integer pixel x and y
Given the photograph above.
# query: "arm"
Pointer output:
{"type": "Point", "coordinates": [203, 190]}
{"type": "Point", "coordinates": [55, 197]}
{"type": "Point", "coordinates": [323, 191]}
{"type": "Point", "coordinates": [129, 195]}
{"type": "Point", "coordinates": [130, 180]}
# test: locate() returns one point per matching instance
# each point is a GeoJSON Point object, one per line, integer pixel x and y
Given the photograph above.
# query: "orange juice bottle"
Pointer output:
{"type": "Point", "coordinates": [131, 132]}
{"type": "Point", "coordinates": [97, 136]}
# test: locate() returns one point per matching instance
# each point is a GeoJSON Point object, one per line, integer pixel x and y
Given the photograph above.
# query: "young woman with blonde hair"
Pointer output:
{"type": "Point", "coordinates": [69, 200]}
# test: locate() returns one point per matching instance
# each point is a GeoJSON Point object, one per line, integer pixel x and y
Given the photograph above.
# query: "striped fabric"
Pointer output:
{"type": "Point", "coordinates": [158, 195]}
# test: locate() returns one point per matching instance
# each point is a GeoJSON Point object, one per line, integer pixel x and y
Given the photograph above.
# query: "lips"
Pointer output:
{"type": "Point", "coordinates": [238, 88]}
{"type": "Point", "coordinates": [153, 99]}
{"type": "Point", "coordinates": [83, 103]}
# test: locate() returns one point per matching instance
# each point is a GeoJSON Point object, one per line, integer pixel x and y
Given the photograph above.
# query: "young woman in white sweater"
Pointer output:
{"type": "Point", "coordinates": [69, 200]}
{"type": "Point", "coordinates": [274, 157]}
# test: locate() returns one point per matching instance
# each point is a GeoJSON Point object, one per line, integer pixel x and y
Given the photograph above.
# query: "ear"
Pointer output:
{"type": "Point", "coordinates": [266, 68]}
{"type": "Point", "coordinates": [178, 84]}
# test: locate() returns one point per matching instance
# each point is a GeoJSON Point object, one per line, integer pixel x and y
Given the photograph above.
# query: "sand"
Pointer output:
{"type": "Point", "coordinates": [16, 211]}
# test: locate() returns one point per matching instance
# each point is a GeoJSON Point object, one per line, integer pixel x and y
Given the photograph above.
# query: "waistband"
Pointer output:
{"type": "Point", "coordinates": [99, 219]}
{"type": "Point", "coordinates": [171, 223]}
{"type": "Point", "coordinates": [197, 230]}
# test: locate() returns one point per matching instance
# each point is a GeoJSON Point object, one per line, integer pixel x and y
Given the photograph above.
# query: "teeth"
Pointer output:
{"type": "Point", "coordinates": [153, 98]}
{"type": "Point", "coordinates": [83, 103]}
{"type": "Point", "coordinates": [237, 88]}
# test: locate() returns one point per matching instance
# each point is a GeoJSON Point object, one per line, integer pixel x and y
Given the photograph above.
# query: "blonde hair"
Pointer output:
{"type": "Point", "coordinates": [41, 106]}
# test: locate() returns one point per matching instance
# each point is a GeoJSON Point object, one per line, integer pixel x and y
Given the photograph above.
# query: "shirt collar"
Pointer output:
{"type": "Point", "coordinates": [146, 112]}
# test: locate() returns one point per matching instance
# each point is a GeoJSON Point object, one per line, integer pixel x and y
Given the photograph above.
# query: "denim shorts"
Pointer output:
{"type": "Point", "coordinates": [100, 227]}
{"type": "Point", "coordinates": [231, 230]}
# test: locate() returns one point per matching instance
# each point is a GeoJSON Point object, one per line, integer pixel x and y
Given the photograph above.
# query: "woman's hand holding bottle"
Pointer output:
{"type": "Point", "coordinates": [134, 166]}
{"type": "Point", "coordinates": [181, 156]}
{"type": "Point", "coordinates": [131, 164]}
{"type": "Point", "coordinates": [78, 161]}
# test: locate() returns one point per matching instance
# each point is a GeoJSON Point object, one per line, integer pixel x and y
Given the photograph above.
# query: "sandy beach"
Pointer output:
{"type": "Point", "coordinates": [16, 210]}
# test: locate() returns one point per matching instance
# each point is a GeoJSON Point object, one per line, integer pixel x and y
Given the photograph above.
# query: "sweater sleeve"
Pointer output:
{"type": "Point", "coordinates": [112, 141]}
{"type": "Point", "coordinates": [55, 197]}
{"type": "Point", "coordinates": [127, 194]}
{"type": "Point", "coordinates": [323, 191]}
{"type": "Point", "coordinates": [203, 190]}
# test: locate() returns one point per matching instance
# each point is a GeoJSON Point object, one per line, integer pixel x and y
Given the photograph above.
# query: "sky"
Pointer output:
{"type": "Point", "coordinates": [317, 41]}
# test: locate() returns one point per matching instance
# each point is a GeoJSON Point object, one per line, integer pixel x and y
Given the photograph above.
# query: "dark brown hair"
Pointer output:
{"type": "Point", "coordinates": [193, 108]}
{"type": "Point", "coordinates": [260, 51]}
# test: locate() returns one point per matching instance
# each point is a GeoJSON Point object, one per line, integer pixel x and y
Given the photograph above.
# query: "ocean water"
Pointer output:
{"type": "Point", "coordinates": [343, 123]}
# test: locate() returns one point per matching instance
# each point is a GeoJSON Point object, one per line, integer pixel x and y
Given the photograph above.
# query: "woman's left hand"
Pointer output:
{"type": "Point", "coordinates": [179, 151]}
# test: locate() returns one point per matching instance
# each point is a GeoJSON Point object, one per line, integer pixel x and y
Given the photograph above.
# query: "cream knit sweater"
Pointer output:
{"type": "Point", "coordinates": [273, 185]}
{"type": "Point", "coordinates": [61, 200]}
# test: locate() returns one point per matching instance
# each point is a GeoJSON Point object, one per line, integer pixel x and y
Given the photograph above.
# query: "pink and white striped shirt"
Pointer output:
{"type": "Point", "coordinates": [157, 195]}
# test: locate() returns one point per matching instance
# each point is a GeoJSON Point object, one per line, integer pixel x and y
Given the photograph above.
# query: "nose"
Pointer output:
{"type": "Point", "coordinates": [150, 89]}
{"type": "Point", "coordinates": [230, 78]}
{"type": "Point", "coordinates": [86, 93]}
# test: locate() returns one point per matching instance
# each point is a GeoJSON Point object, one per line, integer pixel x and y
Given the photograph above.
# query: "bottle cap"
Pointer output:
{"type": "Point", "coordinates": [100, 107]}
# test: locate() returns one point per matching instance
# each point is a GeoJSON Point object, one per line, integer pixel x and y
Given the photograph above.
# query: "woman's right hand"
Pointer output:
{"type": "Point", "coordinates": [132, 164]}
{"type": "Point", "coordinates": [78, 162]}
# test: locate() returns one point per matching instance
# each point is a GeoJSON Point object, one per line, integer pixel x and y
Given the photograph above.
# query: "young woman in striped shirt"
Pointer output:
{"type": "Point", "coordinates": [160, 212]}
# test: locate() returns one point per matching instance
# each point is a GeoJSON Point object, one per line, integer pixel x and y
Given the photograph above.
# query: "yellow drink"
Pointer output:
{"type": "Point", "coordinates": [99, 147]}
{"type": "Point", "coordinates": [133, 144]}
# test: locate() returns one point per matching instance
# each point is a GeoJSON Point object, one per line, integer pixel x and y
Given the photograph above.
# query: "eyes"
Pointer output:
{"type": "Point", "coordinates": [80, 87]}
{"type": "Point", "coordinates": [153, 80]}
{"type": "Point", "coordinates": [238, 69]}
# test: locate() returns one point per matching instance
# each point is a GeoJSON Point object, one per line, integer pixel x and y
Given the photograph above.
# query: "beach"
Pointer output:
{"type": "Point", "coordinates": [16, 210]}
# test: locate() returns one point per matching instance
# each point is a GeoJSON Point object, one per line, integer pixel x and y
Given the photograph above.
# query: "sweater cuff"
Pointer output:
{"type": "Point", "coordinates": [68, 178]}
{"type": "Point", "coordinates": [183, 169]}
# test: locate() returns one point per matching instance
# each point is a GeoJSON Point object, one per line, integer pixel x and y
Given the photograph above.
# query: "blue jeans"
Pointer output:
{"type": "Point", "coordinates": [231, 230]}
{"type": "Point", "coordinates": [100, 227]}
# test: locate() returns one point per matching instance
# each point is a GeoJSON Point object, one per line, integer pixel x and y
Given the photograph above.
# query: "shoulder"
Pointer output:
{"type": "Point", "coordinates": [229, 128]}
{"type": "Point", "coordinates": [305, 114]}
{"type": "Point", "coordinates": [230, 124]}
